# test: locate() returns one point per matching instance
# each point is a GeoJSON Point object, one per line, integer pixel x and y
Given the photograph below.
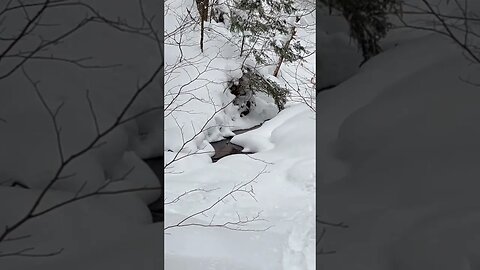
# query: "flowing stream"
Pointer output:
{"type": "Point", "coordinates": [225, 148]}
{"type": "Point", "coordinates": [156, 208]}
{"type": "Point", "coordinates": [222, 148]}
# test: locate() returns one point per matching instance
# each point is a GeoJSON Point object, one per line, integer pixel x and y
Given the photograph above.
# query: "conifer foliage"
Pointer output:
{"type": "Point", "coordinates": [367, 20]}
{"type": "Point", "coordinates": [266, 32]}
{"type": "Point", "coordinates": [260, 22]}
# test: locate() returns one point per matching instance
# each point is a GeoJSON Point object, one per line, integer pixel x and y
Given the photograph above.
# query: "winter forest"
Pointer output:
{"type": "Point", "coordinates": [80, 120]}
{"type": "Point", "coordinates": [295, 135]}
{"type": "Point", "coordinates": [239, 114]}
{"type": "Point", "coordinates": [397, 137]}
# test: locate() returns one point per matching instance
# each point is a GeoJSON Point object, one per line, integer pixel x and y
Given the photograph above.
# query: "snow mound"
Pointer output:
{"type": "Point", "coordinates": [400, 168]}
{"type": "Point", "coordinates": [280, 195]}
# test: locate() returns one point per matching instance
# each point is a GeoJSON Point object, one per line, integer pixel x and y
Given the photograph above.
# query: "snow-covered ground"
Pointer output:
{"type": "Point", "coordinates": [284, 194]}
{"type": "Point", "coordinates": [269, 223]}
{"type": "Point", "coordinates": [101, 232]}
{"type": "Point", "coordinates": [398, 159]}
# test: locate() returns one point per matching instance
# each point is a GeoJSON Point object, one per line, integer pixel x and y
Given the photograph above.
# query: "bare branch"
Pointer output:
{"type": "Point", "coordinates": [231, 225]}
{"type": "Point", "coordinates": [26, 253]}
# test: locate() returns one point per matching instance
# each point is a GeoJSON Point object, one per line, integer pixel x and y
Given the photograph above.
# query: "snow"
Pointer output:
{"type": "Point", "coordinates": [71, 228]}
{"type": "Point", "coordinates": [185, 89]}
{"type": "Point", "coordinates": [280, 195]}
{"type": "Point", "coordinates": [101, 232]}
{"type": "Point", "coordinates": [335, 108]}
{"type": "Point", "coordinates": [226, 250]}
{"type": "Point", "coordinates": [282, 191]}
{"type": "Point", "coordinates": [398, 160]}
{"type": "Point", "coordinates": [337, 54]}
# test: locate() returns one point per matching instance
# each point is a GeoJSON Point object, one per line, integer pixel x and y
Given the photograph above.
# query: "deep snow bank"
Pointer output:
{"type": "Point", "coordinates": [399, 145]}
{"type": "Point", "coordinates": [199, 111]}
{"type": "Point", "coordinates": [286, 149]}
{"type": "Point", "coordinates": [29, 146]}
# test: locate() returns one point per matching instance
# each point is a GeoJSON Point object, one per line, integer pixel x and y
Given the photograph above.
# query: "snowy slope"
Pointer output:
{"type": "Point", "coordinates": [29, 146]}
{"type": "Point", "coordinates": [279, 237]}
{"type": "Point", "coordinates": [399, 153]}
{"type": "Point", "coordinates": [285, 148]}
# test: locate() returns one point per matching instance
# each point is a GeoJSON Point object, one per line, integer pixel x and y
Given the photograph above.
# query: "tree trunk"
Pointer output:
{"type": "Point", "coordinates": [202, 6]}
{"type": "Point", "coordinates": [243, 44]}
{"type": "Point", "coordinates": [202, 28]}
{"type": "Point", "coordinates": [285, 48]}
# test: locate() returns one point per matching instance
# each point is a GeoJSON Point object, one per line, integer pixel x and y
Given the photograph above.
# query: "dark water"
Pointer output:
{"type": "Point", "coordinates": [222, 148]}
{"type": "Point", "coordinates": [156, 208]}
{"type": "Point", "coordinates": [225, 148]}
{"type": "Point", "coordinates": [156, 164]}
